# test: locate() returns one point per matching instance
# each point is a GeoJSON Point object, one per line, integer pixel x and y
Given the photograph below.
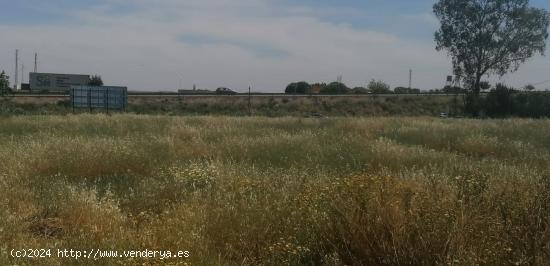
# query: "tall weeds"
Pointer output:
{"type": "Point", "coordinates": [279, 191]}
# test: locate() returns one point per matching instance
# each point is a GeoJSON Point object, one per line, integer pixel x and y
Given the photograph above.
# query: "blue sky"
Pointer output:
{"type": "Point", "coordinates": [376, 15]}
{"type": "Point", "coordinates": [148, 44]}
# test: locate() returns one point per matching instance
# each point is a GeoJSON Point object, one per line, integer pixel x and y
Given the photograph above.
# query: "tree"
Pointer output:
{"type": "Point", "coordinates": [301, 87]}
{"type": "Point", "coordinates": [530, 87]}
{"type": "Point", "coordinates": [486, 37]}
{"type": "Point", "coordinates": [4, 83]}
{"type": "Point", "coordinates": [335, 88]}
{"type": "Point", "coordinates": [379, 87]}
{"type": "Point", "coordinates": [95, 80]}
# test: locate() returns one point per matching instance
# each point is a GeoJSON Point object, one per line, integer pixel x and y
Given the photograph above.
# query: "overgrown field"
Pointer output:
{"type": "Point", "coordinates": [277, 191]}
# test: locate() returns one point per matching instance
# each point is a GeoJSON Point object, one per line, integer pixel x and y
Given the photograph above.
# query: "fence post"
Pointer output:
{"type": "Point", "coordinates": [89, 92]}
{"type": "Point", "coordinates": [106, 96]}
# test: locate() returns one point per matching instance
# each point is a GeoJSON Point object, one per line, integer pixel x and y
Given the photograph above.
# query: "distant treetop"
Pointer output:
{"type": "Point", "coordinates": [95, 80]}
{"type": "Point", "coordinates": [300, 87]}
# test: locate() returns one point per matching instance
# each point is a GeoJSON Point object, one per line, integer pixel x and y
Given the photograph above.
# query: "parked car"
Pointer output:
{"type": "Point", "coordinates": [444, 115]}
{"type": "Point", "coordinates": [225, 91]}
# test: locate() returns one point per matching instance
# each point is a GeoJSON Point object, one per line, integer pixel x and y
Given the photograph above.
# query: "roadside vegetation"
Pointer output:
{"type": "Point", "coordinates": [260, 106]}
{"type": "Point", "coordinates": [277, 191]}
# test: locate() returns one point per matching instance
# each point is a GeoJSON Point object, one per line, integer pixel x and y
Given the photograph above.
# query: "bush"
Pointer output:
{"type": "Point", "coordinates": [301, 87]}
{"type": "Point", "coordinates": [335, 88]}
{"type": "Point", "coordinates": [95, 81]}
{"type": "Point", "coordinates": [534, 104]}
{"type": "Point", "coordinates": [499, 101]}
{"type": "Point", "coordinates": [504, 101]}
{"type": "Point", "coordinates": [379, 87]}
{"type": "Point", "coordinates": [403, 90]}
{"type": "Point", "coordinates": [474, 104]}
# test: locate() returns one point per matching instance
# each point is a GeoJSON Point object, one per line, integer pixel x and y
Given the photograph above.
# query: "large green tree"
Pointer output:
{"type": "Point", "coordinates": [486, 37]}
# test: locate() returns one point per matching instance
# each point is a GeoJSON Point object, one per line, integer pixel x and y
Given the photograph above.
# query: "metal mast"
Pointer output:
{"type": "Point", "coordinates": [410, 78]}
{"type": "Point", "coordinates": [15, 84]}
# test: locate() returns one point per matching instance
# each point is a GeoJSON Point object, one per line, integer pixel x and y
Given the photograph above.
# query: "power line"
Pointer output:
{"type": "Point", "coordinates": [540, 83]}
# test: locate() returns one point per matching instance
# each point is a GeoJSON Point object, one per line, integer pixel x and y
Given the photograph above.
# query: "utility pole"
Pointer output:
{"type": "Point", "coordinates": [339, 80]}
{"type": "Point", "coordinates": [410, 78]}
{"type": "Point", "coordinates": [16, 69]}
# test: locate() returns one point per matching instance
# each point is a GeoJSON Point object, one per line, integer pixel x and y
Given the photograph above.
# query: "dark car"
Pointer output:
{"type": "Point", "coordinates": [225, 91]}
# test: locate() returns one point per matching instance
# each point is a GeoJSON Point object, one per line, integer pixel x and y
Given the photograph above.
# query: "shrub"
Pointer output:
{"type": "Point", "coordinates": [403, 90]}
{"type": "Point", "coordinates": [499, 102]}
{"type": "Point", "coordinates": [95, 80]}
{"type": "Point", "coordinates": [504, 101]}
{"type": "Point", "coordinates": [335, 88]}
{"type": "Point", "coordinates": [301, 87]}
{"type": "Point", "coordinates": [533, 104]}
{"type": "Point", "coordinates": [379, 87]}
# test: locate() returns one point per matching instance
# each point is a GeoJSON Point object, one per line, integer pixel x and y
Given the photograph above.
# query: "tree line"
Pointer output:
{"type": "Point", "coordinates": [374, 87]}
{"type": "Point", "coordinates": [504, 101]}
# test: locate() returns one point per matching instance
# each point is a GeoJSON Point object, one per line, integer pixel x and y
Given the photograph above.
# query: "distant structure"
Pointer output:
{"type": "Point", "coordinates": [99, 97]}
{"type": "Point", "coordinates": [449, 81]}
{"type": "Point", "coordinates": [35, 62]}
{"type": "Point", "coordinates": [25, 87]}
{"type": "Point", "coordinates": [52, 82]}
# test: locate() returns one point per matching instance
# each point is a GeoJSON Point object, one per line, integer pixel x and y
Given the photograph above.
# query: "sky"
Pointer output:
{"type": "Point", "coordinates": [165, 45]}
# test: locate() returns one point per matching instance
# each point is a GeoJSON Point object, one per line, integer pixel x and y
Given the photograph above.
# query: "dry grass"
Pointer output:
{"type": "Point", "coordinates": [275, 106]}
{"type": "Point", "coordinates": [280, 191]}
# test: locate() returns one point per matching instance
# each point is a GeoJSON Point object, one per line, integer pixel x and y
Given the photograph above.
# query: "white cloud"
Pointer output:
{"type": "Point", "coordinates": [143, 49]}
